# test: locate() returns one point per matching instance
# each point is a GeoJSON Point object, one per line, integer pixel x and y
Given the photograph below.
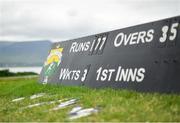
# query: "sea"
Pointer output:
{"type": "Point", "coordinates": [36, 69]}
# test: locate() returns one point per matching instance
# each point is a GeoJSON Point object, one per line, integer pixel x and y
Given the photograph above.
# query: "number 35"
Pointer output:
{"type": "Point", "coordinates": [173, 32]}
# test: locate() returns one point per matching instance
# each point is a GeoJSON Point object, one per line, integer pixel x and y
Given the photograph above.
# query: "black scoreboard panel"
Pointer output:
{"type": "Point", "coordinates": [143, 58]}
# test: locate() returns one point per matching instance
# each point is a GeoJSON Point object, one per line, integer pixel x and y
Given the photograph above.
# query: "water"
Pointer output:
{"type": "Point", "coordinates": [23, 69]}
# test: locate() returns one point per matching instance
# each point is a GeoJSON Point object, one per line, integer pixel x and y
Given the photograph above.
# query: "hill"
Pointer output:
{"type": "Point", "coordinates": [32, 53]}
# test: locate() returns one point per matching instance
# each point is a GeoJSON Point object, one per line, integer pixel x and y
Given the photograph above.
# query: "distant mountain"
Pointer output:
{"type": "Point", "coordinates": [32, 53]}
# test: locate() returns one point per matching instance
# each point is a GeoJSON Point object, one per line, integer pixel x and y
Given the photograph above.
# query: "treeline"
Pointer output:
{"type": "Point", "coordinates": [7, 73]}
{"type": "Point", "coordinates": [20, 64]}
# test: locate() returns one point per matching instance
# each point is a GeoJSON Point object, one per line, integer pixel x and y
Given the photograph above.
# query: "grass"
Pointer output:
{"type": "Point", "coordinates": [116, 105]}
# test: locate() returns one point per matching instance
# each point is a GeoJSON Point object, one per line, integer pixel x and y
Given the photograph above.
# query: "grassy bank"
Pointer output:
{"type": "Point", "coordinates": [116, 105]}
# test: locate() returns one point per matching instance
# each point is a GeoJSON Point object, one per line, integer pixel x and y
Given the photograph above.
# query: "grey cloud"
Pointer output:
{"type": "Point", "coordinates": [30, 30]}
{"type": "Point", "coordinates": [66, 19]}
{"type": "Point", "coordinates": [72, 12]}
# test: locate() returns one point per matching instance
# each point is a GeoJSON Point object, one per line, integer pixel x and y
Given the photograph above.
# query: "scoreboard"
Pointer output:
{"type": "Point", "coordinates": [144, 58]}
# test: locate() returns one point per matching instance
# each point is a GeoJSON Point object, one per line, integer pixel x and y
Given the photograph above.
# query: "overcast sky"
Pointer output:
{"type": "Point", "coordinates": [56, 20]}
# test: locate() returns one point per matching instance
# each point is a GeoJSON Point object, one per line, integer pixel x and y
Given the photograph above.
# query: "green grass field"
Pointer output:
{"type": "Point", "coordinates": [116, 105]}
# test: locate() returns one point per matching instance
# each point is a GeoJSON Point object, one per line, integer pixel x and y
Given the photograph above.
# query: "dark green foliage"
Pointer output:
{"type": "Point", "coordinates": [6, 73]}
